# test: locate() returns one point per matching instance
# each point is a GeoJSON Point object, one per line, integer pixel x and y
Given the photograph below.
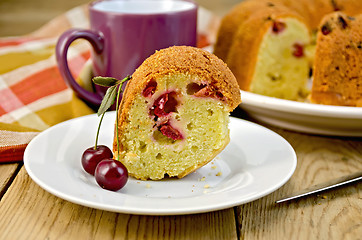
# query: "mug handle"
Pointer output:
{"type": "Point", "coordinates": [61, 51]}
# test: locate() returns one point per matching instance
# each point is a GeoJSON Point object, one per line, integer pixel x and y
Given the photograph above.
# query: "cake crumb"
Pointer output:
{"type": "Point", "coordinates": [219, 174]}
{"type": "Point", "coordinates": [148, 185]}
{"type": "Point", "coordinates": [213, 167]}
{"type": "Point", "coordinates": [202, 179]}
{"type": "Point", "coordinates": [206, 186]}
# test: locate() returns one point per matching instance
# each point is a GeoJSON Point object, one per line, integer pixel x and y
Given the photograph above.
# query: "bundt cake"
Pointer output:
{"type": "Point", "coordinates": [338, 61]}
{"type": "Point", "coordinates": [174, 114]}
{"type": "Point", "coordinates": [270, 45]}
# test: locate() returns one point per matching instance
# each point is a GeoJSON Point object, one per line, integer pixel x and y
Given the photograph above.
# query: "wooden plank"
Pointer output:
{"type": "Point", "coordinates": [336, 214]}
{"type": "Point", "coordinates": [7, 174]}
{"type": "Point", "coordinates": [29, 212]}
{"type": "Point", "coordinates": [18, 17]}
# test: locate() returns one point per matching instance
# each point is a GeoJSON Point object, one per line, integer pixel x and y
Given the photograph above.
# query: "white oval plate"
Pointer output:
{"type": "Point", "coordinates": [304, 117]}
{"type": "Point", "coordinates": [255, 163]}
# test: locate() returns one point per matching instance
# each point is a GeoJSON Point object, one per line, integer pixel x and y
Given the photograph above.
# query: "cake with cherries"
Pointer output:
{"type": "Point", "coordinates": [174, 114]}
{"type": "Point", "coordinates": [270, 45]}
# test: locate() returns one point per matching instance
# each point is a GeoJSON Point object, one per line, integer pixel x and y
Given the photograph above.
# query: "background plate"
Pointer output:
{"type": "Point", "coordinates": [255, 163]}
{"type": "Point", "coordinates": [304, 117]}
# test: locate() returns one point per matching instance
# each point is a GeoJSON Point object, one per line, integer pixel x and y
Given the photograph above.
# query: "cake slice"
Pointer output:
{"type": "Point", "coordinates": [174, 115]}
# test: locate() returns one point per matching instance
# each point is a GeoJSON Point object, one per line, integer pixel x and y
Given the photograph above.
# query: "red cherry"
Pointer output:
{"type": "Point", "coordinates": [208, 92]}
{"type": "Point", "coordinates": [111, 174]}
{"type": "Point", "coordinates": [167, 130]}
{"type": "Point", "coordinates": [150, 89]}
{"type": "Point", "coordinates": [193, 88]}
{"type": "Point", "coordinates": [278, 27]}
{"type": "Point", "coordinates": [326, 29]}
{"type": "Point", "coordinates": [165, 104]}
{"type": "Point", "coordinates": [298, 50]}
{"type": "Point", "coordinates": [91, 157]}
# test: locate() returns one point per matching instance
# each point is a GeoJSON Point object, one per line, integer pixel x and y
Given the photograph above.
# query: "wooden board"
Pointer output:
{"type": "Point", "coordinates": [335, 214]}
{"type": "Point", "coordinates": [29, 212]}
{"type": "Point", "coordinates": [8, 172]}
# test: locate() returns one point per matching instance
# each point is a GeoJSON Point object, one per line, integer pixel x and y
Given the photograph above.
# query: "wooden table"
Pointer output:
{"type": "Point", "coordinates": [29, 212]}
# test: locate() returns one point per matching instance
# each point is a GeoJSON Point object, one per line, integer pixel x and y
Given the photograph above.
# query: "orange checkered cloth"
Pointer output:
{"type": "Point", "coordinates": [33, 95]}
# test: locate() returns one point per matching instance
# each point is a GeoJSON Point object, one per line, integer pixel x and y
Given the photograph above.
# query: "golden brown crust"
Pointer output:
{"type": "Point", "coordinates": [338, 61]}
{"type": "Point", "coordinates": [316, 9]}
{"type": "Point", "coordinates": [175, 60]}
{"type": "Point", "coordinates": [230, 24]}
{"type": "Point", "coordinates": [349, 7]}
{"type": "Point", "coordinates": [300, 7]}
{"type": "Point", "coordinates": [194, 61]}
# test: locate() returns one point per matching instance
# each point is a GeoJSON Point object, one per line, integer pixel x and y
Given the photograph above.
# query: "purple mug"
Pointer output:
{"type": "Point", "coordinates": [124, 33]}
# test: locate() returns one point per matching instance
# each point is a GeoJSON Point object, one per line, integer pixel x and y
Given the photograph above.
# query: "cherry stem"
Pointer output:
{"type": "Point", "coordinates": [98, 130]}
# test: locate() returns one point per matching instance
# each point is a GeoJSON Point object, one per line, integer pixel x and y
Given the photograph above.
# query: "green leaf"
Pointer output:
{"type": "Point", "coordinates": [106, 81]}
{"type": "Point", "coordinates": [111, 93]}
{"type": "Point", "coordinates": [108, 100]}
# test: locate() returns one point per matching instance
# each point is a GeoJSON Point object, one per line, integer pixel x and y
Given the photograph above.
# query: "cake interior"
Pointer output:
{"type": "Point", "coordinates": [283, 64]}
{"type": "Point", "coordinates": [190, 132]}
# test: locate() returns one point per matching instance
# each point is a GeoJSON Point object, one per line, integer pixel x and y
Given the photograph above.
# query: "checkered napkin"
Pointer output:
{"type": "Point", "coordinates": [33, 95]}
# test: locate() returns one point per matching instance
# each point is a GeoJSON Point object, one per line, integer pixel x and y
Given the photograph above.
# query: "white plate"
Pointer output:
{"type": "Point", "coordinates": [304, 117]}
{"type": "Point", "coordinates": [255, 163]}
